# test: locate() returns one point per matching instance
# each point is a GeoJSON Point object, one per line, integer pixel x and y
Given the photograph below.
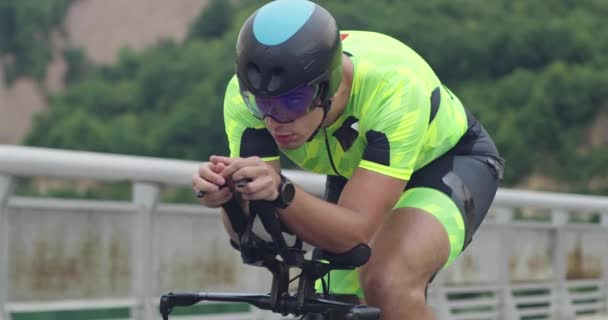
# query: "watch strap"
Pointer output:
{"type": "Point", "coordinates": [278, 202]}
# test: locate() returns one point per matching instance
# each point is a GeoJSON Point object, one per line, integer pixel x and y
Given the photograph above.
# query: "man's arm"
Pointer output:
{"type": "Point", "coordinates": [394, 134]}
{"type": "Point", "coordinates": [366, 199]}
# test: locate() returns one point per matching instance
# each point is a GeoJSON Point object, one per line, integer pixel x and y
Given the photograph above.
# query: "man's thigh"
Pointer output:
{"type": "Point", "coordinates": [457, 190]}
{"type": "Point", "coordinates": [407, 250]}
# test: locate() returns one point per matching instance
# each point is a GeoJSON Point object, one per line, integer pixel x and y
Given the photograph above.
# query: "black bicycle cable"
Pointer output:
{"type": "Point", "coordinates": [326, 286]}
{"type": "Point", "coordinates": [294, 278]}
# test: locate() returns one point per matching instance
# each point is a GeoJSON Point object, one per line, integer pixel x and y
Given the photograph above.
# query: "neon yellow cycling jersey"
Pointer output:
{"type": "Point", "coordinates": [399, 116]}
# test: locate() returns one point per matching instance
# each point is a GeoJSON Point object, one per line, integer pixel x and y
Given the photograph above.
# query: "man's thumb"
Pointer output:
{"type": "Point", "coordinates": [218, 167]}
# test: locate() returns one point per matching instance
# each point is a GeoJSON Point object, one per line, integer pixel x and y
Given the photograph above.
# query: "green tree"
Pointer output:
{"type": "Point", "coordinates": [25, 28]}
{"type": "Point", "coordinates": [534, 73]}
{"type": "Point", "coordinates": [212, 22]}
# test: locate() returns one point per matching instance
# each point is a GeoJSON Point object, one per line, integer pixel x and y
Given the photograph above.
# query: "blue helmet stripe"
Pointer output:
{"type": "Point", "coordinates": [278, 21]}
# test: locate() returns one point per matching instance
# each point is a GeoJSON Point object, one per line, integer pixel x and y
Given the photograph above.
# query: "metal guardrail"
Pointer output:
{"type": "Point", "coordinates": [32, 162]}
{"type": "Point", "coordinates": [148, 175]}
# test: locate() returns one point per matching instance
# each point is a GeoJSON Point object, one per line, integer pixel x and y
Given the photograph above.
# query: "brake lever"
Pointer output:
{"type": "Point", "coordinates": [165, 307]}
{"type": "Point", "coordinates": [170, 300]}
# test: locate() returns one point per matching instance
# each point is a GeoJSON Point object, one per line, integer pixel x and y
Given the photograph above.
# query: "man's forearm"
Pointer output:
{"type": "Point", "coordinates": [325, 225]}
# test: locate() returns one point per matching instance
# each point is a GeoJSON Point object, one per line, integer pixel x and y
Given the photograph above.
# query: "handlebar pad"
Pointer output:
{"type": "Point", "coordinates": [181, 299]}
{"type": "Point", "coordinates": [355, 257]}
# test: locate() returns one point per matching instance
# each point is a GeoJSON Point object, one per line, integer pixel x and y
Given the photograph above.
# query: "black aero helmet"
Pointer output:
{"type": "Point", "coordinates": [288, 47]}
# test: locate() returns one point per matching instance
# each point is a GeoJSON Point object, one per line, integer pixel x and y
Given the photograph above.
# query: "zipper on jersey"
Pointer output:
{"type": "Point", "coordinates": [331, 159]}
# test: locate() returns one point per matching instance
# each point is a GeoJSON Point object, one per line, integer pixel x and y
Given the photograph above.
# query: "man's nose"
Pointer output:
{"type": "Point", "coordinates": [273, 124]}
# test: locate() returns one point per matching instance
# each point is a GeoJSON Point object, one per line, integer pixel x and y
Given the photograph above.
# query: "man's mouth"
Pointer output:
{"type": "Point", "coordinates": [283, 138]}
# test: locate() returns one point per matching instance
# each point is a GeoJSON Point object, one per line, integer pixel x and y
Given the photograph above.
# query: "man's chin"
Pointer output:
{"type": "Point", "coordinates": [289, 145]}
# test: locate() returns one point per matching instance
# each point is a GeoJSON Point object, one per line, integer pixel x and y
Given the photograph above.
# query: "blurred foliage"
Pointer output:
{"type": "Point", "coordinates": [160, 103]}
{"type": "Point", "coordinates": [534, 73]}
{"type": "Point", "coordinates": [25, 29]}
{"type": "Point", "coordinates": [78, 67]}
{"type": "Point", "coordinates": [213, 22]}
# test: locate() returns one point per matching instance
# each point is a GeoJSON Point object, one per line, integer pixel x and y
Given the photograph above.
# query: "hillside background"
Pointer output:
{"type": "Point", "coordinates": [146, 77]}
{"type": "Point", "coordinates": [98, 27]}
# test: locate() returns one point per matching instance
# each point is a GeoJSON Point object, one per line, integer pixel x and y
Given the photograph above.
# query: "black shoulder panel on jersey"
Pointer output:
{"type": "Point", "coordinates": [346, 134]}
{"type": "Point", "coordinates": [435, 102]}
{"type": "Point", "coordinates": [378, 149]}
{"type": "Point", "coordinates": [258, 142]}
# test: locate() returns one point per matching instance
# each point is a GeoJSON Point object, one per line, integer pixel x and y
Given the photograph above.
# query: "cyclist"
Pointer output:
{"type": "Point", "coordinates": [410, 171]}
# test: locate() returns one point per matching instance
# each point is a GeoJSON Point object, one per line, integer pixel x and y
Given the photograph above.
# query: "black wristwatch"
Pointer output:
{"type": "Point", "coordinates": [287, 192]}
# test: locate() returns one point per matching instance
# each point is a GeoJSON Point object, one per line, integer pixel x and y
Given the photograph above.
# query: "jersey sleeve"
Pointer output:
{"type": "Point", "coordinates": [395, 130]}
{"type": "Point", "coordinates": [247, 135]}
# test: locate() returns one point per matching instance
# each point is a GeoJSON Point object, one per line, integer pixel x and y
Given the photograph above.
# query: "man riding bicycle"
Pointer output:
{"type": "Point", "coordinates": [410, 171]}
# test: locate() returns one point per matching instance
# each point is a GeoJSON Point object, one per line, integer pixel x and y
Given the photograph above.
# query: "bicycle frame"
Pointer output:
{"type": "Point", "coordinates": [258, 252]}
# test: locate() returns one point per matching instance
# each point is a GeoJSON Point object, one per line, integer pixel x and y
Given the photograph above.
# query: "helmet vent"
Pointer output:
{"type": "Point", "coordinates": [254, 75]}
{"type": "Point", "coordinates": [276, 78]}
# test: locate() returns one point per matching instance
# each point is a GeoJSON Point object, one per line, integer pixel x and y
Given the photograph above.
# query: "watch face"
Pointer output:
{"type": "Point", "coordinates": [289, 191]}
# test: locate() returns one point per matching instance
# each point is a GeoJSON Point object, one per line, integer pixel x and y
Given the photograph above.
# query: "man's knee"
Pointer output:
{"type": "Point", "coordinates": [382, 289]}
{"type": "Point", "coordinates": [387, 283]}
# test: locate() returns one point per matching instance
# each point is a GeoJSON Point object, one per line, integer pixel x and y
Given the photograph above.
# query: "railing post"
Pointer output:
{"type": "Point", "coordinates": [146, 197]}
{"type": "Point", "coordinates": [437, 297]}
{"type": "Point", "coordinates": [604, 223]}
{"type": "Point", "coordinates": [562, 306]}
{"type": "Point", "coordinates": [504, 218]}
{"type": "Point", "coordinates": [7, 186]}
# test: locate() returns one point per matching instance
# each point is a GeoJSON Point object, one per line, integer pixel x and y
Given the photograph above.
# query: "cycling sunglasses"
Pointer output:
{"type": "Point", "coordinates": [283, 108]}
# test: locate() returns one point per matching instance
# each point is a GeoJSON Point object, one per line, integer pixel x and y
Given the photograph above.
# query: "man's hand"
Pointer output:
{"type": "Point", "coordinates": [209, 181]}
{"type": "Point", "coordinates": [264, 179]}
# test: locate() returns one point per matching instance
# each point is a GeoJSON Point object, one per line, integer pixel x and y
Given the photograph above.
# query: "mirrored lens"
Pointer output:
{"type": "Point", "coordinates": [284, 108]}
